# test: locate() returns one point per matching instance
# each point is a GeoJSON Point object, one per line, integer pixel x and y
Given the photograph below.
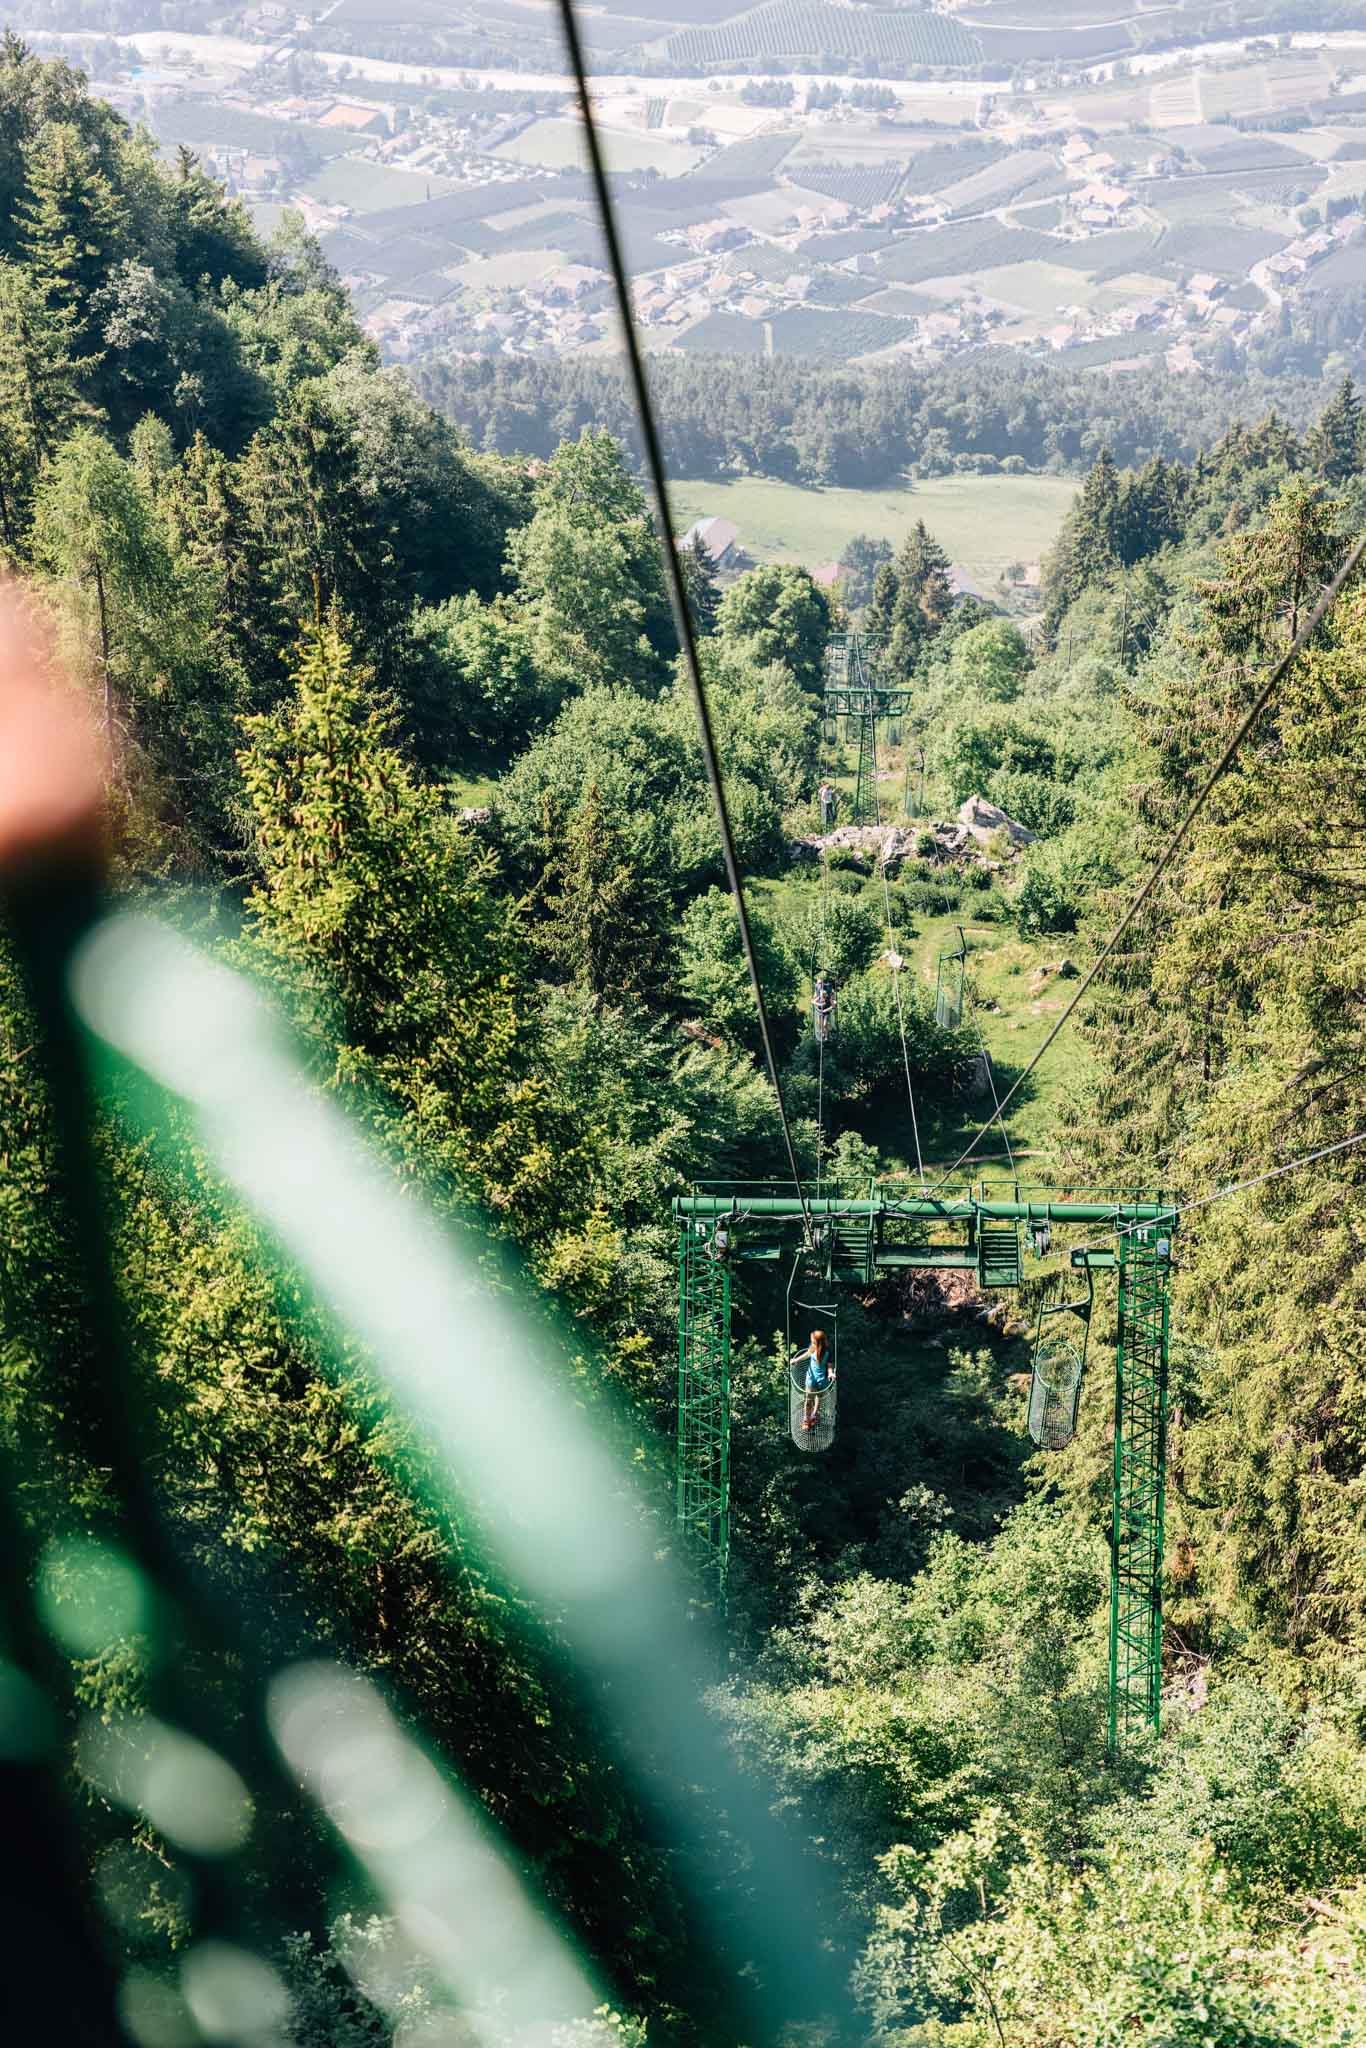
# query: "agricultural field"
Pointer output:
{"type": "Point", "coordinates": [725, 334]}
{"type": "Point", "coordinates": [201, 124]}
{"type": "Point", "coordinates": [1040, 290]}
{"type": "Point", "coordinates": [839, 288]}
{"type": "Point", "coordinates": [370, 188]}
{"type": "Point", "coordinates": [862, 186]}
{"type": "Point", "coordinates": [1123, 249]}
{"type": "Point", "coordinates": [557, 144]}
{"type": "Point", "coordinates": [947, 163]}
{"type": "Point", "coordinates": [809, 28]}
{"type": "Point", "coordinates": [1227, 251]}
{"type": "Point", "coordinates": [498, 273]}
{"type": "Point", "coordinates": [1116, 348]}
{"type": "Point", "coordinates": [833, 337]}
{"type": "Point", "coordinates": [756, 156]}
{"type": "Point", "coordinates": [1000, 182]}
{"type": "Point", "coordinates": [1342, 271]}
{"type": "Point", "coordinates": [969, 245]}
{"type": "Point", "coordinates": [984, 522]}
{"type": "Point", "coordinates": [1240, 90]}
{"type": "Point", "coordinates": [897, 300]}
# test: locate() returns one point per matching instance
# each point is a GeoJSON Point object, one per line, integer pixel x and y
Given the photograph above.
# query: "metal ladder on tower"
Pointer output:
{"type": "Point", "coordinates": [1139, 1499]}
{"type": "Point", "coordinates": [703, 1505]}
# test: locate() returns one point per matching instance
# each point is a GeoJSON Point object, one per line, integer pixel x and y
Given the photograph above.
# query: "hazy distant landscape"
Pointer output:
{"type": "Point", "coordinates": [841, 184]}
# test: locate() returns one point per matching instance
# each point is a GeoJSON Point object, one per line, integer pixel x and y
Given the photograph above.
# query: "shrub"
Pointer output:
{"type": "Point", "coordinates": [1050, 898]}
{"type": "Point", "coordinates": [937, 899]}
{"type": "Point", "coordinates": [1032, 800]}
{"type": "Point", "coordinates": [841, 934]}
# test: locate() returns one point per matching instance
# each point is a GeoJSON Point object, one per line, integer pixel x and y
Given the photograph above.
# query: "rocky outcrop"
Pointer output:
{"type": "Point", "coordinates": [981, 819]}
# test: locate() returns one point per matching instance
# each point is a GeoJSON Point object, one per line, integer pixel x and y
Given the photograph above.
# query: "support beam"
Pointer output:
{"type": "Point", "coordinates": [925, 1208]}
{"type": "Point", "coordinates": [703, 1461]}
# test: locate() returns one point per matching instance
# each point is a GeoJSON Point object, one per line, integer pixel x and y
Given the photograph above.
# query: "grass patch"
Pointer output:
{"type": "Point", "coordinates": [984, 522]}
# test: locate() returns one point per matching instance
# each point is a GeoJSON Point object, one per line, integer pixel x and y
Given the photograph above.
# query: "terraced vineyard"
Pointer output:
{"type": "Point", "coordinates": [806, 28]}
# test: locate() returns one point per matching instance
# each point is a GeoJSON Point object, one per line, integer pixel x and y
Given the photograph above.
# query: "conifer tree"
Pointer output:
{"type": "Point", "coordinates": [377, 910]}
{"type": "Point", "coordinates": [882, 604]}
{"type": "Point", "coordinates": [924, 598]}
{"type": "Point", "coordinates": [704, 592]}
{"type": "Point", "coordinates": [39, 391]}
{"type": "Point", "coordinates": [73, 225]}
{"type": "Point", "coordinates": [1088, 546]}
{"type": "Point", "coordinates": [602, 916]}
{"type": "Point", "coordinates": [1335, 445]}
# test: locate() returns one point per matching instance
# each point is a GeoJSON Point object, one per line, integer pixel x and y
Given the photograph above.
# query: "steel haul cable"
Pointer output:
{"type": "Point", "coordinates": [1327, 599]}
{"type": "Point", "coordinates": [683, 623]}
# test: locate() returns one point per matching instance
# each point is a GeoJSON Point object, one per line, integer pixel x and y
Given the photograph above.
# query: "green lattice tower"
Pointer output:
{"type": "Point", "coordinates": [704, 1402]}
{"type": "Point", "coordinates": [1140, 1465]}
{"type": "Point", "coordinates": [865, 787]}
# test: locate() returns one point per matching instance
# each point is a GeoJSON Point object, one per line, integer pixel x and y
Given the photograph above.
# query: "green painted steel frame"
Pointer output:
{"type": "Point", "coordinates": [855, 1238]}
{"type": "Point", "coordinates": [703, 1461]}
{"type": "Point", "coordinates": [855, 691]}
{"type": "Point", "coordinates": [1139, 1486]}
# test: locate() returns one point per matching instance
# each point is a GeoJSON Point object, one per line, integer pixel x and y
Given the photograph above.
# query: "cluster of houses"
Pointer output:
{"type": "Point", "coordinates": [720, 264]}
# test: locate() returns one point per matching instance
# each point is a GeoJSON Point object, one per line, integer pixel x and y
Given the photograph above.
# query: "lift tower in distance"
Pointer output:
{"type": "Point", "coordinates": [856, 691]}
{"type": "Point", "coordinates": [974, 1229]}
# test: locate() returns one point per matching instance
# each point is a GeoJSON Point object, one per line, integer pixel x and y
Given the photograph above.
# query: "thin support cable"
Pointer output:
{"type": "Point", "coordinates": [820, 1111]}
{"type": "Point", "coordinates": [982, 1041]}
{"type": "Point", "coordinates": [895, 955]}
{"type": "Point", "coordinates": [1328, 597]}
{"type": "Point", "coordinates": [678, 596]}
{"type": "Point", "coordinates": [991, 1078]}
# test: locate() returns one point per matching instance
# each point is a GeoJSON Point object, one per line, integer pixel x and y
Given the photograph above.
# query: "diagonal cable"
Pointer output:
{"type": "Point", "coordinates": [687, 638]}
{"type": "Point", "coordinates": [1237, 1187]}
{"type": "Point", "coordinates": [1327, 599]}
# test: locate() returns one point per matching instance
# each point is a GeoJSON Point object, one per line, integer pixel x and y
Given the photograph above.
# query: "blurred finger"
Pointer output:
{"type": "Point", "coordinates": [52, 760]}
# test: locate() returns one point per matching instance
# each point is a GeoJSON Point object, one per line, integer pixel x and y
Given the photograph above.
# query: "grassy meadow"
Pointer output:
{"type": "Point", "coordinates": [984, 522]}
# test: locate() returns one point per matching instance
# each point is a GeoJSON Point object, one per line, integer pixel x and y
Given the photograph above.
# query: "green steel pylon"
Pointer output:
{"type": "Point", "coordinates": [1140, 1472]}
{"type": "Point", "coordinates": [704, 1400]}
{"type": "Point", "coordinates": [865, 787]}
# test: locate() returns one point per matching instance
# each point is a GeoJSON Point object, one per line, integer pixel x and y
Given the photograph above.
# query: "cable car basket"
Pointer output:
{"type": "Point", "coordinates": [1055, 1392]}
{"type": "Point", "coordinates": [821, 1434]}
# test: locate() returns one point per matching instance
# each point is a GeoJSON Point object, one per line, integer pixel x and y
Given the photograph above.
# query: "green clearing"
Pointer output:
{"type": "Point", "coordinates": [1015, 995]}
{"type": "Point", "coordinates": [985, 522]}
{"type": "Point", "coordinates": [369, 187]}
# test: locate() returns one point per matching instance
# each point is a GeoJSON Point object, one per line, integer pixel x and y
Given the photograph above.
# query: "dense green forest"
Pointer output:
{"type": "Point", "coordinates": [993, 409]}
{"type": "Point", "coordinates": [399, 729]}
